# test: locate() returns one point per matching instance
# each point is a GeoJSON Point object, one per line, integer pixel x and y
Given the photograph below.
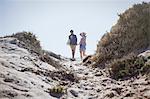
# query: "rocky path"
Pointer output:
{"type": "Point", "coordinates": [24, 76]}
{"type": "Point", "coordinates": [94, 83]}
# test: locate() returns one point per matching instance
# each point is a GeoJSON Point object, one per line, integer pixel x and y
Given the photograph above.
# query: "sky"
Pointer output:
{"type": "Point", "coordinates": [51, 20]}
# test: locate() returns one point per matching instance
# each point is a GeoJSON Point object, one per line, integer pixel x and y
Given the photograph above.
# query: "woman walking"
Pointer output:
{"type": "Point", "coordinates": [82, 44]}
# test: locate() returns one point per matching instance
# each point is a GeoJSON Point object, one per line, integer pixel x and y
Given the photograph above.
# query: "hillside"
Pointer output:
{"type": "Point", "coordinates": [27, 71]}
{"type": "Point", "coordinates": [120, 68]}
{"type": "Point", "coordinates": [131, 34]}
{"type": "Point", "coordinates": [24, 75]}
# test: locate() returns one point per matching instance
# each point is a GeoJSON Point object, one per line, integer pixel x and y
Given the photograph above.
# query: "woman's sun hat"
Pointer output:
{"type": "Point", "coordinates": [83, 34]}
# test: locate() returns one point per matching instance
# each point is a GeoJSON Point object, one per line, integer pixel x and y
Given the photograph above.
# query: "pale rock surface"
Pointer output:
{"type": "Point", "coordinates": [24, 76]}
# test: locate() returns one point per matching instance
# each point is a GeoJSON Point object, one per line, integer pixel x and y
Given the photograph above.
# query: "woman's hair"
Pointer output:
{"type": "Point", "coordinates": [83, 34]}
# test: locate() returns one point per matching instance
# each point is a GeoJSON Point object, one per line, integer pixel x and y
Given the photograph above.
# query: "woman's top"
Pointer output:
{"type": "Point", "coordinates": [83, 40]}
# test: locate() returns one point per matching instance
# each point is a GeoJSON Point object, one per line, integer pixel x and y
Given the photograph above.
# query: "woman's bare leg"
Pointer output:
{"type": "Point", "coordinates": [81, 54]}
{"type": "Point", "coordinates": [84, 53]}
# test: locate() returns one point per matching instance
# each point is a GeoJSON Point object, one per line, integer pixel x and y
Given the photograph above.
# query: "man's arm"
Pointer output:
{"type": "Point", "coordinates": [76, 40]}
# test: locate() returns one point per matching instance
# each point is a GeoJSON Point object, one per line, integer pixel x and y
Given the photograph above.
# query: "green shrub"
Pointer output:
{"type": "Point", "coordinates": [145, 69]}
{"type": "Point", "coordinates": [57, 89]}
{"type": "Point", "coordinates": [130, 34]}
{"type": "Point", "coordinates": [45, 57]}
{"type": "Point", "coordinates": [29, 41]}
{"type": "Point", "coordinates": [128, 66]}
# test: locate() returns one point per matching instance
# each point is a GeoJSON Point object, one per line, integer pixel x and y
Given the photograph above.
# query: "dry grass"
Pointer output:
{"type": "Point", "coordinates": [29, 41]}
{"type": "Point", "coordinates": [127, 67]}
{"type": "Point", "coordinates": [130, 34]}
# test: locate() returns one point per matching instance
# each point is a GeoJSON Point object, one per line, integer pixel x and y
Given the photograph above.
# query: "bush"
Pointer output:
{"type": "Point", "coordinates": [145, 69]}
{"type": "Point", "coordinates": [56, 91]}
{"type": "Point", "coordinates": [130, 34]}
{"type": "Point", "coordinates": [45, 57]}
{"type": "Point", "coordinates": [28, 41]}
{"type": "Point", "coordinates": [127, 67]}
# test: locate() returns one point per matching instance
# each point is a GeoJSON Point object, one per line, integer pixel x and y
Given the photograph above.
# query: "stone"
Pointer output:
{"type": "Point", "coordinates": [98, 74]}
{"type": "Point", "coordinates": [8, 80]}
{"type": "Point", "coordinates": [98, 90]}
{"type": "Point", "coordinates": [110, 95]}
{"type": "Point", "coordinates": [74, 93]}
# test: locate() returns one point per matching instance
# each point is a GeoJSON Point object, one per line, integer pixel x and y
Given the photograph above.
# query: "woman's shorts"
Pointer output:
{"type": "Point", "coordinates": [82, 47]}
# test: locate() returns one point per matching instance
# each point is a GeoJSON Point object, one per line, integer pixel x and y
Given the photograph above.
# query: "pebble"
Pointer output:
{"type": "Point", "coordinates": [74, 93]}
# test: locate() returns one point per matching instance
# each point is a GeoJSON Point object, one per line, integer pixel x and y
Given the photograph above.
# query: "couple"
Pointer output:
{"type": "Point", "coordinates": [72, 41]}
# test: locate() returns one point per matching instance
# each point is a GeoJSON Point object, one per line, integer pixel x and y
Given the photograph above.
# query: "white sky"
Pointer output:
{"type": "Point", "coordinates": [51, 20]}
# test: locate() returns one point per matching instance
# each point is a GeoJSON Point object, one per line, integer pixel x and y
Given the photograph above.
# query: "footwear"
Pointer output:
{"type": "Point", "coordinates": [72, 59]}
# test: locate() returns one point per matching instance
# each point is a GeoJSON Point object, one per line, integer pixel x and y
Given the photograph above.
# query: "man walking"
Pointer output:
{"type": "Point", "coordinates": [73, 43]}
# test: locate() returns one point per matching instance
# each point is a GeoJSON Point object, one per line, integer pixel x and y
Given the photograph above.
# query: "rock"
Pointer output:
{"type": "Point", "coordinates": [118, 90]}
{"type": "Point", "coordinates": [130, 94]}
{"type": "Point", "coordinates": [93, 97]}
{"type": "Point", "coordinates": [98, 90]}
{"type": "Point", "coordinates": [147, 94]}
{"type": "Point", "coordinates": [2, 76]}
{"type": "Point", "coordinates": [27, 95]}
{"type": "Point", "coordinates": [103, 84]}
{"type": "Point", "coordinates": [23, 90]}
{"type": "Point", "coordinates": [89, 60]}
{"type": "Point", "coordinates": [53, 55]}
{"type": "Point", "coordinates": [86, 88]}
{"type": "Point", "coordinates": [74, 93]}
{"type": "Point", "coordinates": [8, 80]}
{"type": "Point", "coordinates": [145, 54]}
{"type": "Point", "coordinates": [110, 95]}
{"type": "Point", "coordinates": [57, 95]}
{"type": "Point", "coordinates": [86, 58]}
{"type": "Point", "coordinates": [8, 93]}
{"type": "Point", "coordinates": [64, 83]}
{"type": "Point", "coordinates": [81, 91]}
{"type": "Point", "coordinates": [64, 76]}
{"type": "Point", "coordinates": [14, 41]}
{"type": "Point", "coordinates": [86, 73]}
{"type": "Point", "coordinates": [42, 86]}
{"type": "Point", "coordinates": [98, 74]}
